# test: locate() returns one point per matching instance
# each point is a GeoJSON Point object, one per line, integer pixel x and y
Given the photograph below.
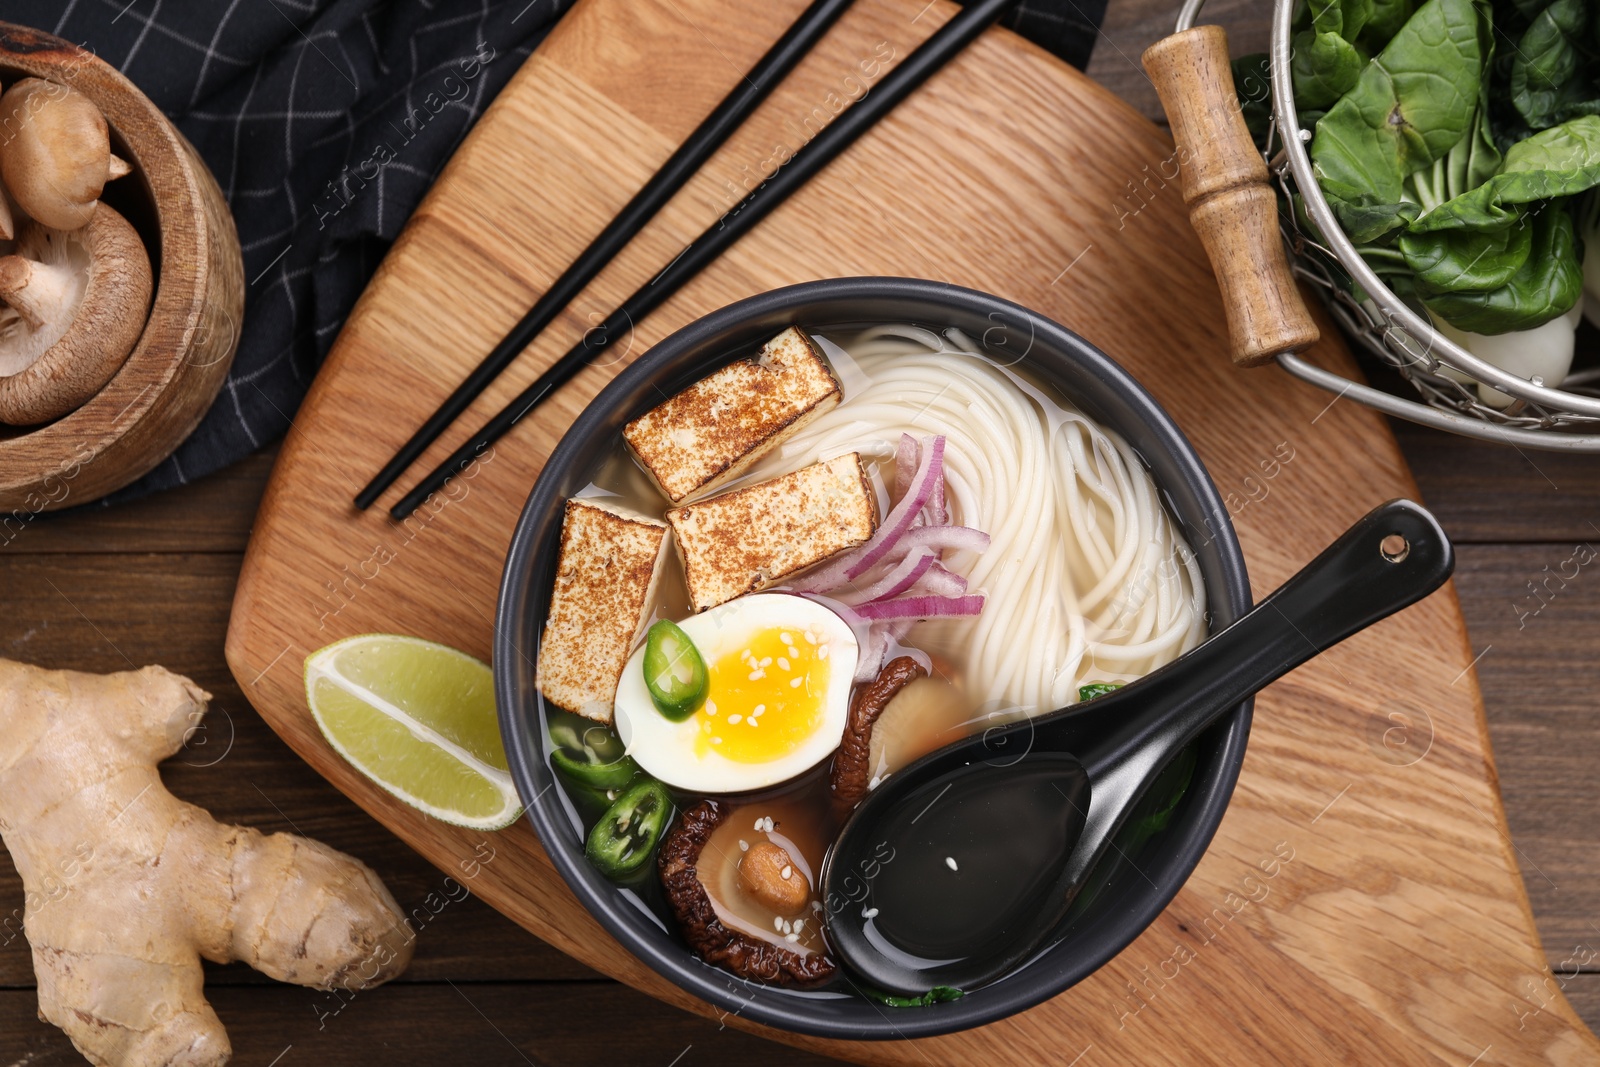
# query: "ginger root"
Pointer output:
{"type": "Point", "coordinates": [129, 887]}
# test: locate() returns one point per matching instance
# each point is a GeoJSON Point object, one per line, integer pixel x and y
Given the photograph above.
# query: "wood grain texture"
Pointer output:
{"type": "Point", "coordinates": [600, 1024]}
{"type": "Point", "coordinates": [1131, 26]}
{"type": "Point", "coordinates": [1534, 615]}
{"type": "Point", "coordinates": [1232, 208]}
{"type": "Point", "coordinates": [178, 365]}
{"type": "Point", "coordinates": [1400, 930]}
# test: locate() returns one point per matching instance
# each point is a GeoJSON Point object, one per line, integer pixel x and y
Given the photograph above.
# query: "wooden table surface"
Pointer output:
{"type": "Point", "coordinates": [152, 582]}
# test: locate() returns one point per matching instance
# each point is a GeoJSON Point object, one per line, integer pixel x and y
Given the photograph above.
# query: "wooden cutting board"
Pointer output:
{"type": "Point", "coordinates": [1361, 902]}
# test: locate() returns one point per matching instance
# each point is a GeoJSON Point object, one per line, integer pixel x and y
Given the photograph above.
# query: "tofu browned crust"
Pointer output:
{"type": "Point", "coordinates": [754, 537]}
{"type": "Point", "coordinates": [606, 575]}
{"type": "Point", "coordinates": [714, 430]}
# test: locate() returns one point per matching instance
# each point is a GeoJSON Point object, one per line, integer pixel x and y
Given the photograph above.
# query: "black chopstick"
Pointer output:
{"type": "Point", "coordinates": [812, 157]}
{"type": "Point", "coordinates": [685, 162]}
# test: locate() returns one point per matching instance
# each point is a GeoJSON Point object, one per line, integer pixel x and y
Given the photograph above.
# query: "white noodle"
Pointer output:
{"type": "Point", "coordinates": [1086, 576]}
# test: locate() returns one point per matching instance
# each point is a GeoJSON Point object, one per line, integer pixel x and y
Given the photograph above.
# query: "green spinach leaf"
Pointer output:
{"type": "Point", "coordinates": [1551, 79]}
{"type": "Point", "coordinates": [1447, 261]}
{"type": "Point", "coordinates": [1387, 18]}
{"type": "Point", "coordinates": [1549, 282]}
{"type": "Point", "coordinates": [1559, 162]}
{"type": "Point", "coordinates": [1326, 61]}
{"type": "Point", "coordinates": [1410, 105]}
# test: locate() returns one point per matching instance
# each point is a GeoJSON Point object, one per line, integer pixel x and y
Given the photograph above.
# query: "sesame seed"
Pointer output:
{"type": "Point", "coordinates": [766, 661]}
{"type": "Point", "coordinates": [950, 861]}
{"type": "Point", "coordinates": [747, 654]}
{"type": "Point", "coordinates": [783, 663]}
{"type": "Point", "coordinates": [768, 824]}
{"type": "Point", "coordinates": [733, 720]}
{"type": "Point", "coordinates": [716, 740]}
{"type": "Point", "coordinates": [756, 676]}
{"type": "Point", "coordinates": [870, 913]}
{"type": "Point", "coordinates": [759, 709]}
{"type": "Point", "coordinates": [786, 929]}
{"type": "Point", "coordinates": [711, 707]}
{"type": "Point", "coordinates": [794, 653]}
{"type": "Point", "coordinates": [785, 638]}
{"type": "Point", "coordinates": [744, 846]}
{"type": "Point", "coordinates": [791, 937]}
{"type": "Point", "coordinates": [822, 652]}
{"type": "Point", "coordinates": [811, 638]}
{"type": "Point", "coordinates": [799, 925]}
{"type": "Point", "coordinates": [777, 923]}
{"type": "Point", "coordinates": [786, 872]}
{"type": "Point", "coordinates": [794, 683]}
{"type": "Point", "coordinates": [753, 721]}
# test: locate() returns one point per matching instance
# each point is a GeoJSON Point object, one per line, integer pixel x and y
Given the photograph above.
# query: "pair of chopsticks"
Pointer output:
{"type": "Point", "coordinates": [811, 158]}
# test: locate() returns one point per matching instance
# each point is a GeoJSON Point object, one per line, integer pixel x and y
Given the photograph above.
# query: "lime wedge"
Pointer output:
{"type": "Point", "coordinates": [418, 718]}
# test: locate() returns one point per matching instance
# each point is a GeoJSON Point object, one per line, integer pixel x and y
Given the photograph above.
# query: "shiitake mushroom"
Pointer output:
{"type": "Point", "coordinates": [743, 892]}
{"type": "Point", "coordinates": [73, 304]}
{"type": "Point", "coordinates": [901, 715]}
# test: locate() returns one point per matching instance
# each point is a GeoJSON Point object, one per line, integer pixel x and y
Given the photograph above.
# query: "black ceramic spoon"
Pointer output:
{"type": "Point", "coordinates": [956, 868]}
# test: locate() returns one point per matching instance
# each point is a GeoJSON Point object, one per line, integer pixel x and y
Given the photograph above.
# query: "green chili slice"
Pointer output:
{"type": "Point", "coordinates": [601, 776]}
{"type": "Point", "coordinates": [621, 844]}
{"type": "Point", "coordinates": [593, 759]}
{"type": "Point", "coordinates": [674, 672]}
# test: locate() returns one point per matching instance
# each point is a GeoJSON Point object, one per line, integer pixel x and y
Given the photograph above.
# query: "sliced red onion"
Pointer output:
{"type": "Point", "coordinates": [904, 514]}
{"type": "Point", "coordinates": [940, 581]}
{"type": "Point", "coordinates": [938, 538]}
{"type": "Point", "coordinates": [921, 607]}
{"type": "Point", "coordinates": [905, 464]}
{"type": "Point", "coordinates": [887, 585]}
{"type": "Point", "coordinates": [903, 576]}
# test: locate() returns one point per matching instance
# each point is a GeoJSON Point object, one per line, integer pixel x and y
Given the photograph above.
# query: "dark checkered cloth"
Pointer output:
{"type": "Point", "coordinates": [325, 121]}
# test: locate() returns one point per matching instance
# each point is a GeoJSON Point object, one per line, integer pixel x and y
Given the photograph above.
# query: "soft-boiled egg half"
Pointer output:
{"type": "Point", "coordinates": [778, 668]}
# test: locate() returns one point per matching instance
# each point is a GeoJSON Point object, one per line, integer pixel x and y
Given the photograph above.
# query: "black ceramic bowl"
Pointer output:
{"type": "Point", "coordinates": [1129, 899]}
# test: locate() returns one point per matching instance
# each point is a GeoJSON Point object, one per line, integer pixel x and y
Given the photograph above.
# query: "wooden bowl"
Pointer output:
{"type": "Point", "coordinates": [178, 365]}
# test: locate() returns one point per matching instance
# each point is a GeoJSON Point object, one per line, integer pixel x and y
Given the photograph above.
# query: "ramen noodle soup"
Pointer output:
{"type": "Point", "coordinates": [809, 569]}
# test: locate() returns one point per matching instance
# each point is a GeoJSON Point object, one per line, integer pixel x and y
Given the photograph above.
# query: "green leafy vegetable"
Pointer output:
{"type": "Point", "coordinates": [1090, 690]}
{"type": "Point", "coordinates": [1559, 162]}
{"type": "Point", "coordinates": [1387, 18]}
{"type": "Point", "coordinates": [1450, 261]}
{"type": "Point", "coordinates": [1549, 282]}
{"type": "Point", "coordinates": [939, 994]}
{"type": "Point", "coordinates": [1327, 61]}
{"type": "Point", "coordinates": [1409, 107]}
{"type": "Point", "coordinates": [1552, 66]}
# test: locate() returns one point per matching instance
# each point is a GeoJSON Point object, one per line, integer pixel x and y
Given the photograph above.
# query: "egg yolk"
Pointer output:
{"type": "Point", "coordinates": [765, 698]}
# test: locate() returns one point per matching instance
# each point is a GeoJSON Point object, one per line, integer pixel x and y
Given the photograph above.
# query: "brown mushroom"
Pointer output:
{"type": "Point", "coordinates": [791, 953]}
{"type": "Point", "coordinates": [901, 715]}
{"type": "Point", "coordinates": [56, 155]}
{"type": "Point", "coordinates": [74, 305]}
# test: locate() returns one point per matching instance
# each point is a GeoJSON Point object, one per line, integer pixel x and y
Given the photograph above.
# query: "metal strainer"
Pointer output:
{"type": "Point", "coordinates": [1189, 69]}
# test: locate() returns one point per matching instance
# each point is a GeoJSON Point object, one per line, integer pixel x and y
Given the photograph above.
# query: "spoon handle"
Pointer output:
{"type": "Point", "coordinates": [1387, 561]}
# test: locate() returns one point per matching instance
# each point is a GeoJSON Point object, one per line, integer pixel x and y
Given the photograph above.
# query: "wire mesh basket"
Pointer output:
{"type": "Point", "coordinates": [1562, 416]}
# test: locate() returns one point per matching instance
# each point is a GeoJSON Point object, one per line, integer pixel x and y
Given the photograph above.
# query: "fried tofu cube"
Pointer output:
{"type": "Point", "coordinates": [754, 537]}
{"type": "Point", "coordinates": [714, 430]}
{"type": "Point", "coordinates": [606, 575]}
